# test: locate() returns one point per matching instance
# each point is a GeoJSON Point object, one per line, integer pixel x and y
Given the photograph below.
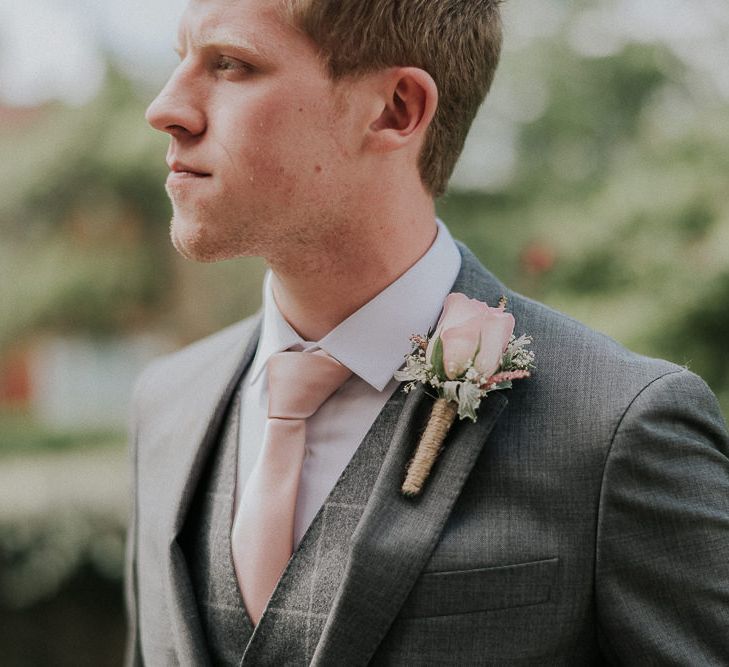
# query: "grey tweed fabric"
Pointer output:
{"type": "Point", "coordinates": [583, 519]}
{"type": "Point", "coordinates": [206, 543]}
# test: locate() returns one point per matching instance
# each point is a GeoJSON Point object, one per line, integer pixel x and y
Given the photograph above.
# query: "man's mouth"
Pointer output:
{"type": "Point", "coordinates": [182, 170]}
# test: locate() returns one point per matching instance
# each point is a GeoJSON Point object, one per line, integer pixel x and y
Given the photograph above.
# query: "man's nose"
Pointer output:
{"type": "Point", "coordinates": [177, 109]}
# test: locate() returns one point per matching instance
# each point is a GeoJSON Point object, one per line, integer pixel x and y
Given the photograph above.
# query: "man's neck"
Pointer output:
{"type": "Point", "coordinates": [315, 293]}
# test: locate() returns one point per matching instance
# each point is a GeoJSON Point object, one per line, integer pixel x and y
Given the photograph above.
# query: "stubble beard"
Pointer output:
{"type": "Point", "coordinates": [214, 231]}
{"type": "Point", "coordinates": [210, 234]}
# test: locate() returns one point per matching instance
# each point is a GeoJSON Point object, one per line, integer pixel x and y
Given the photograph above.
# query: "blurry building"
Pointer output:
{"type": "Point", "coordinates": [76, 383]}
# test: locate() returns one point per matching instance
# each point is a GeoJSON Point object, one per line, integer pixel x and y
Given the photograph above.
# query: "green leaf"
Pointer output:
{"type": "Point", "coordinates": [469, 398]}
{"type": "Point", "coordinates": [437, 359]}
{"type": "Point", "coordinates": [450, 391]}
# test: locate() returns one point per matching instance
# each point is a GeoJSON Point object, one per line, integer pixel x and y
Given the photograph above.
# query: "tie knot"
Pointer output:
{"type": "Point", "coordinates": [299, 382]}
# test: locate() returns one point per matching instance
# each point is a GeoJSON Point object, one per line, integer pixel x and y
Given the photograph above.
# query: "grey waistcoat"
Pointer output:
{"type": "Point", "coordinates": [292, 623]}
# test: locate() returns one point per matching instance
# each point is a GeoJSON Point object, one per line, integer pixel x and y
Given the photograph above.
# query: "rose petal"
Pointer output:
{"type": "Point", "coordinates": [457, 309]}
{"type": "Point", "coordinates": [495, 330]}
{"type": "Point", "coordinates": [459, 346]}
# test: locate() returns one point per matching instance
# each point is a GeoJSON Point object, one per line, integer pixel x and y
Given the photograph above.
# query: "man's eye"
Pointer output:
{"type": "Point", "coordinates": [226, 63]}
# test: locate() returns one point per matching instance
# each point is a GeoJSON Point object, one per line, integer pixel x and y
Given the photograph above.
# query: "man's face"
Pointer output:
{"type": "Point", "coordinates": [260, 139]}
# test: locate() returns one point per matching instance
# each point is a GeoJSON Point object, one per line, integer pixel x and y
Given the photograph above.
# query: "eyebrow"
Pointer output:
{"type": "Point", "coordinates": [222, 39]}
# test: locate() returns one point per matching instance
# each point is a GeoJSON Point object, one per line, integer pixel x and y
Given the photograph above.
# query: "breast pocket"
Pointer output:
{"type": "Point", "coordinates": [464, 591]}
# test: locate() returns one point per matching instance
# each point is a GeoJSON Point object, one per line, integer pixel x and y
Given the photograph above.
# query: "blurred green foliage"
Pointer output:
{"type": "Point", "coordinates": [83, 248]}
{"type": "Point", "coordinates": [61, 285]}
{"type": "Point", "coordinates": [101, 158]}
{"type": "Point", "coordinates": [21, 433]}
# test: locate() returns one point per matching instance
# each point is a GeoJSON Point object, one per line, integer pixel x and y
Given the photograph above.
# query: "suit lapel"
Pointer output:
{"type": "Point", "coordinates": [199, 418]}
{"type": "Point", "coordinates": [396, 535]}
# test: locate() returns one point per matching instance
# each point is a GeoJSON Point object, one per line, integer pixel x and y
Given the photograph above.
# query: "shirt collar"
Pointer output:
{"type": "Point", "coordinates": [373, 341]}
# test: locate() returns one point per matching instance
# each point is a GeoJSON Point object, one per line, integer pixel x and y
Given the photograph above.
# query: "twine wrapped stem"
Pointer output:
{"type": "Point", "coordinates": [441, 419]}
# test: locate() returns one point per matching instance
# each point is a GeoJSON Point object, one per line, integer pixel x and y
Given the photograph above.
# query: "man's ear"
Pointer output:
{"type": "Point", "coordinates": [409, 101]}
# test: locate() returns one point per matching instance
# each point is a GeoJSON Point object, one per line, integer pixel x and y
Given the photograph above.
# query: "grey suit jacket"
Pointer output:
{"type": "Point", "coordinates": [583, 519]}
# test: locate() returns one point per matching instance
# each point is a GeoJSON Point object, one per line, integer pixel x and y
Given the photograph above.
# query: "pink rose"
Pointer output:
{"type": "Point", "coordinates": [469, 328]}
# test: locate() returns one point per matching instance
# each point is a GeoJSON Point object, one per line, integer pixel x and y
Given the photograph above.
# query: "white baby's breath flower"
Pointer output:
{"type": "Point", "coordinates": [518, 343]}
{"type": "Point", "coordinates": [416, 370]}
{"type": "Point", "coordinates": [403, 376]}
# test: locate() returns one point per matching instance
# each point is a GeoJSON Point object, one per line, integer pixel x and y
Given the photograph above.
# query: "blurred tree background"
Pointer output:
{"type": "Point", "coordinates": [595, 180]}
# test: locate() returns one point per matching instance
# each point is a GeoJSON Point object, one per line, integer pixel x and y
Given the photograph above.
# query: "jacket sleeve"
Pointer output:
{"type": "Point", "coordinates": [662, 552]}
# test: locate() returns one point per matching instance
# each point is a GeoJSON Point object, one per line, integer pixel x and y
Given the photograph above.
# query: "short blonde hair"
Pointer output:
{"type": "Point", "coordinates": [457, 42]}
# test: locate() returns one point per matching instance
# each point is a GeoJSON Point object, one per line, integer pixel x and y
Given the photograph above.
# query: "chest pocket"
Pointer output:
{"type": "Point", "coordinates": [464, 591]}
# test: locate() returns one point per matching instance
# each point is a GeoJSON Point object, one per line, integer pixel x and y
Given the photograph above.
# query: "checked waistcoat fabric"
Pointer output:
{"type": "Point", "coordinates": [206, 544]}
{"type": "Point", "coordinates": [289, 630]}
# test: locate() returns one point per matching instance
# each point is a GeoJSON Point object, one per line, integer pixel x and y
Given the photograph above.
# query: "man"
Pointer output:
{"type": "Point", "coordinates": [583, 518]}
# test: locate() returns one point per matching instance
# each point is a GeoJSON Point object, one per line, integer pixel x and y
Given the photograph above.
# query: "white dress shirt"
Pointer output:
{"type": "Point", "coordinates": [372, 343]}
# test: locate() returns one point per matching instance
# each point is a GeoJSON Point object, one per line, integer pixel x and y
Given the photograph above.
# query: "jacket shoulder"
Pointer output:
{"type": "Point", "coordinates": [574, 346]}
{"type": "Point", "coordinates": [572, 358]}
{"type": "Point", "coordinates": [581, 376]}
{"type": "Point", "coordinates": [167, 373]}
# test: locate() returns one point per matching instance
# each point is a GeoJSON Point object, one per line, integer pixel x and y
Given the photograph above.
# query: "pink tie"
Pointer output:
{"type": "Point", "coordinates": [263, 530]}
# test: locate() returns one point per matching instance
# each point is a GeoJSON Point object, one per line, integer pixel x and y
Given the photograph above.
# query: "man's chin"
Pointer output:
{"type": "Point", "coordinates": [193, 242]}
{"type": "Point", "coordinates": [201, 242]}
